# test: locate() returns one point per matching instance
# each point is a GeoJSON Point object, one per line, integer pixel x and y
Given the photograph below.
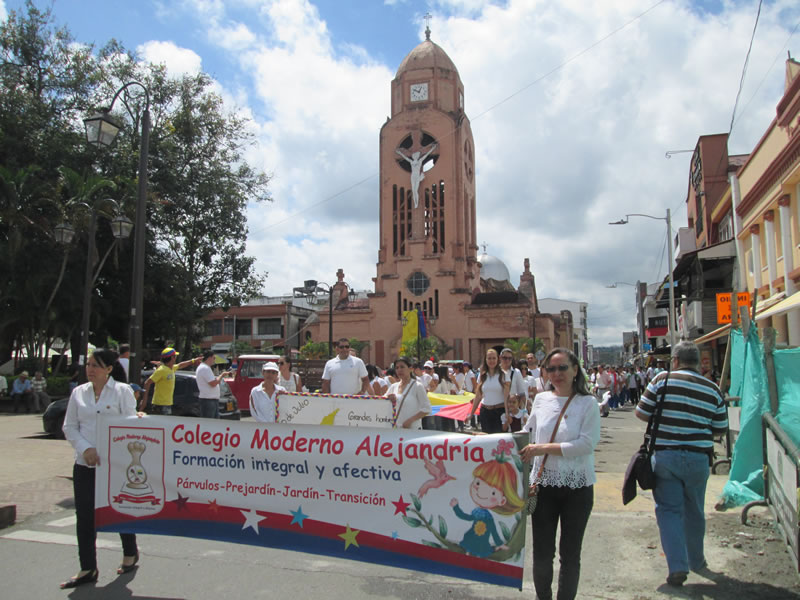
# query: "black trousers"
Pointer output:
{"type": "Point", "coordinates": [570, 507]}
{"type": "Point", "coordinates": [83, 488]}
{"type": "Point", "coordinates": [489, 418]}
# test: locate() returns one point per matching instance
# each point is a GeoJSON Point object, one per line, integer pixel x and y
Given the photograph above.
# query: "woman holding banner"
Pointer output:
{"type": "Point", "coordinates": [106, 393]}
{"type": "Point", "coordinates": [264, 397]}
{"type": "Point", "coordinates": [564, 430]}
{"type": "Point", "coordinates": [410, 397]}
{"type": "Point", "coordinates": [493, 391]}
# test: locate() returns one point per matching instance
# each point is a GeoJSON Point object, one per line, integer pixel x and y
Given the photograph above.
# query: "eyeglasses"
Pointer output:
{"type": "Point", "coordinates": [506, 357]}
{"type": "Point", "coordinates": [344, 347]}
{"type": "Point", "coordinates": [560, 368]}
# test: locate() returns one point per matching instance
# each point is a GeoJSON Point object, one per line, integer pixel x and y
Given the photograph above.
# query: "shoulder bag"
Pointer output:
{"type": "Point", "coordinates": [640, 467]}
{"type": "Point", "coordinates": [533, 490]}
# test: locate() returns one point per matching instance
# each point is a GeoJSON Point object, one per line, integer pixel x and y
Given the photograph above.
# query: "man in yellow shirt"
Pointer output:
{"type": "Point", "coordinates": [164, 380]}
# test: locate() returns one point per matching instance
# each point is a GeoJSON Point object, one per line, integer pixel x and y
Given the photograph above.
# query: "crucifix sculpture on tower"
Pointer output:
{"type": "Point", "coordinates": [416, 161]}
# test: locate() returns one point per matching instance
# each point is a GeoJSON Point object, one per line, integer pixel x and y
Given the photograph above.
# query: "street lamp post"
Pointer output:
{"type": "Point", "coordinates": [668, 219]}
{"type": "Point", "coordinates": [101, 129]}
{"type": "Point", "coordinates": [121, 229]}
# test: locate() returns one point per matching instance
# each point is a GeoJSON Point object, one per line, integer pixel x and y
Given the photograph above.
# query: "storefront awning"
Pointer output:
{"type": "Point", "coordinates": [791, 303]}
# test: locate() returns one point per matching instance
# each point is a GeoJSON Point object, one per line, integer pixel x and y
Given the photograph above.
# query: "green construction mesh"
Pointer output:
{"type": "Point", "coordinates": [749, 382]}
{"type": "Point", "coordinates": [787, 376]}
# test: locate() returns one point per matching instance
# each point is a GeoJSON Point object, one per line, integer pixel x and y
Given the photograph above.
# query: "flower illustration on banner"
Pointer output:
{"type": "Point", "coordinates": [495, 491]}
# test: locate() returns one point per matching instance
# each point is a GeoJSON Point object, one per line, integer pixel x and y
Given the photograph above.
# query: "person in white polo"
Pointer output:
{"type": "Point", "coordinates": [345, 374]}
{"type": "Point", "coordinates": [208, 386]}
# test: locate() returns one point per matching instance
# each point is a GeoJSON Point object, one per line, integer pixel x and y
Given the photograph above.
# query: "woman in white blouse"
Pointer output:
{"type": "Point", "coordinates": [264, 397]}
{"type": "Point", "coordinates": [288, 380]}
{"type": "Point", "coordinates": [102, 394]}
{"type": "Point", "coordinates": [409, 395]}
{"type": "Point", "coordinates": [566, 486]}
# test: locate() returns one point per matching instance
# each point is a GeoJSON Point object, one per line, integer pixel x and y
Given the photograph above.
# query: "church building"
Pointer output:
{"type": "Point", "coordinates": [428, 251]}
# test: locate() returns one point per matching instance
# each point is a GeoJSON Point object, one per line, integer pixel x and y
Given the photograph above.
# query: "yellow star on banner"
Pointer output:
{"type": "Point", "coordinates": [349, 537]}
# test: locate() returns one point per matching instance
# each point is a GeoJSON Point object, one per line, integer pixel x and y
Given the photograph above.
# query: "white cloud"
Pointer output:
{"type": "Point", "coordinates": [554, 164]}
{"type": "Point", "coordinates": [3, 12]}
{"type": "Point", "coordinates": [178, 60]}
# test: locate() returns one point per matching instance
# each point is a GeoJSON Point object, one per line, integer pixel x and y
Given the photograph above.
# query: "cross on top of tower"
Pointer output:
{"type": "Point", "coordinates": [484, 247]}
{"type": "Point", "coordinates": [427, 18]}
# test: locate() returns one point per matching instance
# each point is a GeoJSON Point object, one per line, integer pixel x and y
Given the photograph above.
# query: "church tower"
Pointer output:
{"type": "Point", "coordinates": [427, 254]}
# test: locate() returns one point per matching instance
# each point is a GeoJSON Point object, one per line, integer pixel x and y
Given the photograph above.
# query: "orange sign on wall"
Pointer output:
{"type": "Point", "coordinates": [724, 305]}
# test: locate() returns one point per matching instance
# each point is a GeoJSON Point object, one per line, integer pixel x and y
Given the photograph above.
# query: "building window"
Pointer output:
{"type": "Point", "coordinates": [214, 327]}
{"type": "Point", "coordinates": [244, 327]}
{"type": "Point", "coordinates": [270, 327]}
{"type": "Point", "coordinates": [726, 227]}
{"type": "Point", "coordinates": [418, 283]}
{"type": "Point", "coordinates": [228, 326]}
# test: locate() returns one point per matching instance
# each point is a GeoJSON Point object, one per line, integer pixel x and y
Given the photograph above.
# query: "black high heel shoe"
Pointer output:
{"type": "Point", "coordinates": [90, 577]}
{"type": "Point", "coordinates": [123, 568]}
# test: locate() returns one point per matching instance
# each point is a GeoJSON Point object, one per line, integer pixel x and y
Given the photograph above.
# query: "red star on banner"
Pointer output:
{"type": "Point", "coordinates": [180, 502]}
{"type": "Point", "coordinates": [400, 506]}
{"type": "Point", "coordinates": [213, 506]}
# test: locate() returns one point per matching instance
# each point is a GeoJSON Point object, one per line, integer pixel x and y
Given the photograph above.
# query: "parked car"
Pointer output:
{"type": "Point", "coordinates": [53, 417]}
{"type": "Point", "coordinates": [185, 403]}
{"type": "Point", "coordinates": [247, 376]}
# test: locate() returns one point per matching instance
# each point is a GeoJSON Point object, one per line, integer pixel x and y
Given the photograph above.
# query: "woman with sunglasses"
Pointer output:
{"type": "Point", "coordinates": [566, 479]}
{"type": "Point", "coordinates": [108, 393]}
{"type": "Point", "coordinates": [289, 381]}
{"type": "Point", "coordinates": [492, 394]}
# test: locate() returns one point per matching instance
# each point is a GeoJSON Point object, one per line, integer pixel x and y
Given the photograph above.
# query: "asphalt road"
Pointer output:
{"type": "Point", "coordinates": [621, 555]}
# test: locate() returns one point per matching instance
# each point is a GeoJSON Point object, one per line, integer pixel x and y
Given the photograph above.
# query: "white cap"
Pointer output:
{"type": "Point", "coordinates": [270, 366]}
{"type": "Point", "coordinates": [428, 363]}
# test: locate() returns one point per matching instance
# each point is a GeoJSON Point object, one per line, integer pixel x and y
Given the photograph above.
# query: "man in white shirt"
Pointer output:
{"type": "Point", "coordinates": [125, 361]}
{"type": "Point", "coordinates": [518, 386]}
{"type": "Point", "coordinates": [533, 365]}
{"type": "Point", "coordinates": [208, 386]}
{"type": "Point", "coordinates": [345, 374]}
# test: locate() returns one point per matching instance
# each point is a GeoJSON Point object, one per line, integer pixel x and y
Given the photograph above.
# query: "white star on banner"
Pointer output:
{"type": "Point", "coordinates": [252, 519]}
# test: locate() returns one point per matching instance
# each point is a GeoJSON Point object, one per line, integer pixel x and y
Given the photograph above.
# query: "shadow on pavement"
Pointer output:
{"type": "Point", "coordinates": [722, 587]}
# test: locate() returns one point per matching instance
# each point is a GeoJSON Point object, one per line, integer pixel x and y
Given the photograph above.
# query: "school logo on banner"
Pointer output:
{"type": "Point", "coordinates": [136, 471]}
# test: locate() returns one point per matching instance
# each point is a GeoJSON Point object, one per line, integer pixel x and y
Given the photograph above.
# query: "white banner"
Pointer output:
{"type": "Point", "coordinates": [436, 502]}
{"type": "Point", "coordinates": [298, 408]}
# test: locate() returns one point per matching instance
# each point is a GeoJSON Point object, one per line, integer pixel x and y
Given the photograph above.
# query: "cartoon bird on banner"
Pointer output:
{"type": "Point", "coordinates": [439, 474]}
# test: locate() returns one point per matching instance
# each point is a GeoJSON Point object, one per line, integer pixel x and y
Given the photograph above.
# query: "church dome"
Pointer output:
{"type": "Point", "coordinates": [426, 56]}
{"type": "Point", "coordinates": [493, 268]}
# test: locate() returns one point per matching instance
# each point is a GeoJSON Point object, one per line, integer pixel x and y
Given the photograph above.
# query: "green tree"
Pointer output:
{"type": "Point", "coordinates": [358, 345]}
{"type": "Point", "coordinates": [521, 346]}
{"type": "Point", "coordinates": [199, 187]}
{"type": "Point", "coordinates": [313, 349]}
{"type": "Point", "coordinates": [424, 348]}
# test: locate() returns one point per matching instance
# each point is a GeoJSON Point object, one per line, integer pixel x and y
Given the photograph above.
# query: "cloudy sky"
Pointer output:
{"type": "Point", "coordinates": [573, 106]}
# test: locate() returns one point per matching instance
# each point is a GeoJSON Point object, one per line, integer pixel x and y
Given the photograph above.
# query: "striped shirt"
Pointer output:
{"type": "Point", "coordinates": [693, 411]}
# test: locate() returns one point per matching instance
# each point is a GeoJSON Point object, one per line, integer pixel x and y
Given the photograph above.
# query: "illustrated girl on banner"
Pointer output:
{"type": "Point", "coordinates": [494, 488]}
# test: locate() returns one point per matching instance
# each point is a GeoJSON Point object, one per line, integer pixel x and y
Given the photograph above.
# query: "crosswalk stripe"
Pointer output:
{"type": "Point", "coordinates": [27, 535]}
{"type": "Point", "coordinates": [66, 522]}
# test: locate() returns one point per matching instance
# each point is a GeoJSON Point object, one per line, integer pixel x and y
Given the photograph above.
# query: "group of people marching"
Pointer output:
{"type": "Point", "coordinates": [554, 404]}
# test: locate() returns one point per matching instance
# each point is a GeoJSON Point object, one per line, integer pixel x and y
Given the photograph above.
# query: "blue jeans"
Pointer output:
{"type": "Point", "coordinates": [209, 408]}
{"type": "Point", "coordinates": [680, 491]}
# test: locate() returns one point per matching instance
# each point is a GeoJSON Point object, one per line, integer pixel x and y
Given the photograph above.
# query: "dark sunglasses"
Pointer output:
{"type": "Point", "coordinates": [506, 357]}
{"type": "Point", "coordinates": [344, 347]}
{"type": "Point", "coordinates": [561, 368]}
{"type": "Point", "coordinates": [281, 362]}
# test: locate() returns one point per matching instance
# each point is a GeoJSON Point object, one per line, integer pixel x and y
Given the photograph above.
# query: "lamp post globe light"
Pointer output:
{"type": "Point", "coordinates": [671, 266]}
{"type": "Point", "coordinates": [101, 130]}
{"type": "Point", "coordinates": [309, 290]}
